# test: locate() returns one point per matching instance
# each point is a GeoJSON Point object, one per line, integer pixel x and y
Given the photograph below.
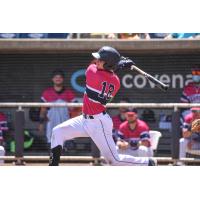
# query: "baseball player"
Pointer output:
{"type": "Point", "coordinates": [190, 139]}
{"type": "Point", "coordinates": [3, 130]}
{"type": "Point", "coordinates": [191, 92]}
{"type": "Point", "coordinates": [121, 117]}
{"type": "Point", "coordinates": [134, 138]}
{"type": "Point", "coordinates": [57, 93]}
{"type": "Point", "coordinates": [102, 84]}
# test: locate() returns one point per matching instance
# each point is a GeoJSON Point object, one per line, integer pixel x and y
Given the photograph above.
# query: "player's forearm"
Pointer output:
{"type": "Point", "coordinates": [145, 143]}
{"type": "Point", "coordinates": [186, 134]}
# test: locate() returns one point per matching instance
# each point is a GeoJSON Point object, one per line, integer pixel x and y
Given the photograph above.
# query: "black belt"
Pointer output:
{"type": "Point", "coordinates": [91, 116]}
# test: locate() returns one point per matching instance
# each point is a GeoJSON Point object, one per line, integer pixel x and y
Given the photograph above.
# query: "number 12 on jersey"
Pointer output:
{"type": "Point", "coordinates": [111, 89]}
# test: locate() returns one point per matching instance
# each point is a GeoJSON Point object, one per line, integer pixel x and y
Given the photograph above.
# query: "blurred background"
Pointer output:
{"type": "Point", "coordinates": [27, 61]}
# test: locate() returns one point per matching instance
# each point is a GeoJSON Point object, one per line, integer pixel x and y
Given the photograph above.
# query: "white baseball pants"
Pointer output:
{"type": "Point", "coordinates": [183, 143]}
{"type": "Point", "coordinates": [100, 131]}
{"type": "Point", "coordinates": [2, 153]}
{"type": "Point", "coordinates": [142, 151]}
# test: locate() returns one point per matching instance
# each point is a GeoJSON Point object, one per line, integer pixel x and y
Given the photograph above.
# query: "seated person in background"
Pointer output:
{"type": "Point", "coordinates": [158, 35]}
{"type": "Point", "coordinates": [3, 130]}
{"type": "Point", "coordinates": [191, 92]}
{"type": "Point", "coordinates": [58, 35]}
{"type": "Point", "coordinates": [133, 137]}
{"type": "Point", "coordinates": [133, 36]}
{"type": "Point", "coordinates": [189, 140]}
{"type": "Point", "coordinates": [76, 111]}
{"type": "Point", "coordinates": [56, 94]}
{"type": "Point", "coordinates": [181, 35]}
{"type": "Point", "coordinates": [9, 35]}
{"type": "Point", "coordinates": [33, 35]}
{"type": "Point", "coordinates": [197, 36]}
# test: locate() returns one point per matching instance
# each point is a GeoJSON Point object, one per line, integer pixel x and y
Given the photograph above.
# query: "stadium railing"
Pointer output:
{"type": "Point", "coordinates": [19, 128]}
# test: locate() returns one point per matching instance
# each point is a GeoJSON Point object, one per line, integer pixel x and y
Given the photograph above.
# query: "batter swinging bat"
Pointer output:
{"type": "Point", "coordinates": [158, 83]}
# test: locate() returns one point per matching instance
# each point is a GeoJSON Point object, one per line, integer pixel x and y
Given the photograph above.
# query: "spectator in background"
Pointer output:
{"type": "Point", "coordinates": [76, 111]}
{"type": "Point", "coordinates": [158, 35]}
{"type": "Point", "coordinates": [191, 92]}
{"type": "Point", "coordinates": [133, 36]}
{"type": "Point", "coordinates": [59, 35]}
{"type": "Point", "coordinates": [9, 35]}
{"type": "Point", "coordinates": [189, 140]}
{"type": "Point", "coordinates": [133, 136]}
{"type": "Point", "coordinates": [3, 131]}
{"type": "Point", "coordinates": [121, 116]}
{"type": "Point", "coordinates": [181, 35]}
{"type": "Point", "coordinates": [94, 35]}
{"type": "Point", "coordinates": [57, 93]}
{"type": "Point", "coordinates": [33, 35]}
{"type": "Point", "coordinates": [197, 36]}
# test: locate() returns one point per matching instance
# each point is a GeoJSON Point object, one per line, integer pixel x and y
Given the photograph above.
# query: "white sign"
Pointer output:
{"type": "Point", "coordinates": [138, 81]}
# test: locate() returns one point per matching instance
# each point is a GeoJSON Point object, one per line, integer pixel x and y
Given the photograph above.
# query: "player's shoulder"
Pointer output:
{"type": "Point", "coordinates": [3, 117]}
{"type": "Point", "coordinates": [114, 79]}
{"type": "Point", "coordinates": [189, 86]}
{"type": "Point", "coordinates": [123, 125]}
{"type": "Point", "coordinates": [91, 68]}
{"type": "Point", "coordinates": [115, 117]}
{"type": "Point", "coordinates": [142, 124]}
{"type": "Point", "coordinates": [48, 90]}
{"type": "Point", "coordinates": [188, 118]}
{"type": "Point", "coordinates": [47, 93]}
{"type": "Point", "coordinates": [115, 76]}
{"type": "Point", "coordinates": [67, 91]}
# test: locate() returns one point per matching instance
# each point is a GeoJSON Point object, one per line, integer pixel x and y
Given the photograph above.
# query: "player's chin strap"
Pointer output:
{"type": "Point", "coordinates": [55, 156]}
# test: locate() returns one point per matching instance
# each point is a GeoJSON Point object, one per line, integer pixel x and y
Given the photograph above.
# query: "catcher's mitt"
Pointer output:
{"type": "Point", "coordinates": [195, 128]}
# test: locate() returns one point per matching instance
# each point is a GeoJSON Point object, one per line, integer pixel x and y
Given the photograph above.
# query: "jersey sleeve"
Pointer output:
{"type": "Point", "coordinates": [144, 134]}
{"type": "Point", "coordinates": [184, 98]}
{"type": "Point", "coordinates": [122, 131]}
{"type": "Point", "coordinates": [117, 86]}
{"type": "Point", "coordinates": [89, 71]}
{"type": "Point", "coordinates": [44, 96]}
{"type": "Point", "coordinates": [187, 123]}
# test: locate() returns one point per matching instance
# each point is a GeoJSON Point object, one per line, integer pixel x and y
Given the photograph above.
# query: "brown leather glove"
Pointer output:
{"type": "Point", "coordinates": [195, 127]}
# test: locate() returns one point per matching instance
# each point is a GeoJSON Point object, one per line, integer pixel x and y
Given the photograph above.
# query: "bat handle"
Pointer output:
{"type": "Point", "coordinates": [164, 87]}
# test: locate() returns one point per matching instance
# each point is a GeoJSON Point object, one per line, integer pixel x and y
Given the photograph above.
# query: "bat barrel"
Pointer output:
{"type": "Point", "coordinates": [162, 86]}
{"type": "Point", "coordinates": [158, 83]}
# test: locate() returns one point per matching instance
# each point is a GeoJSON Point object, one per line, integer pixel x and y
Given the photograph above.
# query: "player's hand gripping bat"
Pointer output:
{"type": "Point", "coordinates": [128, 63]}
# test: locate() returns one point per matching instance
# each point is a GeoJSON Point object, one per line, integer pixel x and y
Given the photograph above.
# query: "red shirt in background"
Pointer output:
{"type": "Point", "coordinates": [117, 121]}
{"type": "Point", "coordinates": [191, 94]}
{"type": "Point", "coordinates": [50, 95]}
{"type": "Point", "coordinates": [125, 130]}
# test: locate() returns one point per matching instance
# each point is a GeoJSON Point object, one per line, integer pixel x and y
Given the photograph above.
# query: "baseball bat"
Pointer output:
{"type": "Point", "coordinates": [158, 83]}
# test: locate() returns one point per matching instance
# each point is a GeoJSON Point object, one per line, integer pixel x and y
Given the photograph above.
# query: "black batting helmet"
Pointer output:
{"type": "Point", "coordinates": [109, 55]}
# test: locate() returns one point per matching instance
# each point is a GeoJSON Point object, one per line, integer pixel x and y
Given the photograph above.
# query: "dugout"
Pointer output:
{"type": "Point", "coordinates": [26, 66]}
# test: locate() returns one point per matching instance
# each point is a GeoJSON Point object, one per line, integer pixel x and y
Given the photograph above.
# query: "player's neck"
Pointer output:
{"type": "Point", "coordinates": [58, 88]}
{"type": "Point", "coordinates": [132, 125]}
{"type": "Point", "coordinates": [197, 84]}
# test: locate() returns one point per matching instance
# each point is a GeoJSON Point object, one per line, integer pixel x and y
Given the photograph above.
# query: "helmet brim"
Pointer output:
{"type": "Point", "coordinates": [96, 55]}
